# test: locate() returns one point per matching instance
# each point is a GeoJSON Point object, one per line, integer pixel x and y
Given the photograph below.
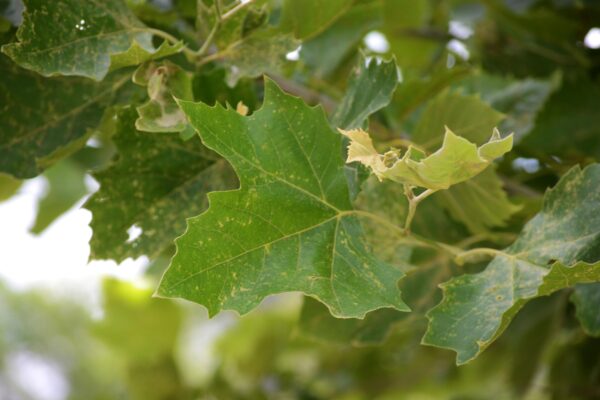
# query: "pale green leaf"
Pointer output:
{"type": "Point", "coordinates": [557, 249]}
{"type": "Point", "coordinates": [251, 242]}
{"type": "Point", "coordinates": [73, 37]}
{"type": "Point", "coordinates": [47, 119]}
{"type": "Point", "coordinates": [164, 81]}
{"type": "Point", "coordinates": [456, 161]}
{"type": "Point", "coordinates": [137, 54]}
{"type": "Point", "coordinates": [480, 203]}
{"type": "Point", "coordinates": [586, 298]}
{"type": "Point", "coordinates": [156, 182]}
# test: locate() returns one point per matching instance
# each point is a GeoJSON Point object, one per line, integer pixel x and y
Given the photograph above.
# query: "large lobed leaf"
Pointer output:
{"type": "Point", "coordinates": [290, 226]}
{"type": "Point", "coordinates": [83, 38]}
{"type": "Point", "coordinates": [558, 248]}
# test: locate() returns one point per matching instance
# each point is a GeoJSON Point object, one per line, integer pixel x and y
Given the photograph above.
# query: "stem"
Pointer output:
{"type": "Point", "coordinates": [413, 239]}
{"type": "Point", "coordinates": [413, 202]}
{"type": "Point", "coordinates": [475, 254]}
{"type": "Point", "coordinates": [172, 39]}
{"type": "Point", "coordinates": [209, 39]}
{"type": "Point", "coordinates": [235, 9]}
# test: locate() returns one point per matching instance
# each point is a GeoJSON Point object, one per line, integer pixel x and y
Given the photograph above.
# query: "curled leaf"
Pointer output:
{"type": "Point", "coordinates": [456, 161]}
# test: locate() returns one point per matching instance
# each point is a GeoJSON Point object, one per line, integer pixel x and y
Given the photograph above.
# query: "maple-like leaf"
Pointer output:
{"type": "Point", "coordinates": [290, 226]}
{"type": "Point", "coordinates": [456, 161]}
{"type": "Point", "coordinates": [558, 248]}
{"type": "Point", "coordinates": [83, 38]}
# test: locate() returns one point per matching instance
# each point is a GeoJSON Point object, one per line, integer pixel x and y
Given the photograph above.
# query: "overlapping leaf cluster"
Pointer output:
{"type": "Point", "coordinates": [275, 188]}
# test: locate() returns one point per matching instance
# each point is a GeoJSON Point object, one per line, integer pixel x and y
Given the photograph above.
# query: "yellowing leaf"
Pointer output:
{"type": "Point", "coordinates": [456, 161]}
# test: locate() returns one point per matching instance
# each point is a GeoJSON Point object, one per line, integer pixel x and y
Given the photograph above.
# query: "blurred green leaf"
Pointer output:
{"type": "Point", "coordinates": [66, 186]}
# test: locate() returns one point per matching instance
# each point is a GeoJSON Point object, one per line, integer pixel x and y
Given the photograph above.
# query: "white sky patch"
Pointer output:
{"type": "Point", "coordinates": [460, 30]}
{"type": "Point", "coordinates": [134, 232]}
{"type": "Point", "coordinates": [592, 38]}
{"type": "Point", "coordinates": [40, 378]}
{"type": "Point", "coordinates": [458, 48]}
{"type": "Point", "coordinates": [376, 42]}
{"type": "Point", "coordinates": [529, 165]}
{"type": "Point", "coordinates": [294, 55]}
{"type": "Point", "coordinates": [56, 260]}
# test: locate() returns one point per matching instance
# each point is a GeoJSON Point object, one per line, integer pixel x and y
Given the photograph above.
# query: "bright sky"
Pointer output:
{"type": "Point", "coordinates": [57, 259]}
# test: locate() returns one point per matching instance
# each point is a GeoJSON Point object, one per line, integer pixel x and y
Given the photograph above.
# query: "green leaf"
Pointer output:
{"type": "Point", "coordinates": [569, 122]}
{"type": "Point", "coordinates": [309, 17]}
{"type": "Point", "coordinates": [137, 54]}
{"type": "Point", "coordinates": [558, 248]}
{"type": "Point", "coordinates": [467, 116]}
{"type": "Point", "coordinates": [47, 119]}
{"type": "Point", "coordinates": [325, 52]}
{"type": "Point", "coordinates": [72, 37]}
{"type": "Point", "coordinates": [416, 90]}
{"type": "Point", "coordinates": [416, 31]}
{"type": "Point", "coordinates": [251, 242]}
{"type": "Point", "coordinates": [261, 52]}
{"type": "Point", "coordinates": [129, 310]}
{"type": "Point", "coordinates": [66, 186]}
{"type": "Point", "coordinates": [519, 100]}
{"type": "Point", "coordinates": [456, 161]}
{"type": "Point", "coordinates": [317, 323]}
{"type": "Point", "coordinates": [164, 81]}
{"type": "Point", "coordinates": [480, 203]}
{"type": "Point", "coordinates": [370, 89]}
{"type": "Point", "coordinates": [156, 182]}
{"type": "Point", "coordinates": [587, 302]}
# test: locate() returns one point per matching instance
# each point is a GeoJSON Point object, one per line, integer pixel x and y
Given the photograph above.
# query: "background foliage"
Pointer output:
{"type": "Point", "coordinates": [164, 103]}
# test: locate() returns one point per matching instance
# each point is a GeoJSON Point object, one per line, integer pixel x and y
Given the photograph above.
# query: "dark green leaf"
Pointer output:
{"type": "Point", "coordinates": [587, 301]}
{"type": "Point", "coordinates": [557, 249]}
{"type": "Point", "coordinates": [73, 37]}
{"type": "Point", "coordinates": [156, 182]}
{"type": "Point", "coordinates": [370, 89]}
{"type": "Point", "coordinates": [47, 119]}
